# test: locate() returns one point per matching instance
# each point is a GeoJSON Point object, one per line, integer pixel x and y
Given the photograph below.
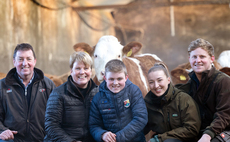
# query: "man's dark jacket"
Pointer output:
{"type": "Point", "coordinates": [14, 111]}
{"type": "Point", "coordinates": [67, 113]}
{"type": "Point", "coordinates": [213, 101]}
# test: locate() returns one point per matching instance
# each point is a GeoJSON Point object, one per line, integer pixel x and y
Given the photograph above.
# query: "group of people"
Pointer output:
{"type": "Point", "coordinates": [32, 109]}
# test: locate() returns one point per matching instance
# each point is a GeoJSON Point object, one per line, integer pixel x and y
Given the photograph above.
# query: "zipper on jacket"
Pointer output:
{"type": "Point", "coordinates": [29, 108]}
{"type": "Point", "coordinates": [117, 111]}
{"type": "Point", "coordinates": [86, 114]}
{"type": "Point", "coordinates": [169, 121]}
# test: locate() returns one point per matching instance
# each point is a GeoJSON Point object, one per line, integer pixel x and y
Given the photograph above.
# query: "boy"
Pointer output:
{"type": "Point", "coordinates": [118, 112]}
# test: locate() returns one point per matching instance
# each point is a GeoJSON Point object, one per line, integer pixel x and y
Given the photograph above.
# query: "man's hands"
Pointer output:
{"type": "Point", "coordinates": [205, 138]}
{"type": "Point", "coordinates": [7, 135]}
{"type": "Point", "coordinates": [109, 137]}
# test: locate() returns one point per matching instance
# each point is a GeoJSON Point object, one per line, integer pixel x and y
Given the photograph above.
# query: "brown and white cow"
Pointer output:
{"type": "Point", "coordinates": [226, 70]}
{"type": "Point", "coordinates": [179, 75]}
{"type": "Point", "coordinates": [108, 48]}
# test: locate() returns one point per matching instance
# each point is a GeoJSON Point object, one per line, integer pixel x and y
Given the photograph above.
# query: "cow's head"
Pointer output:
{"type": "Point", "coordinates": [108, 48]}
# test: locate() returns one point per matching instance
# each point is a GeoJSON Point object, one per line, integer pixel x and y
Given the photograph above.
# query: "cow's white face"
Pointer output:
{"type": "Point", "coordinates": [107, 48]}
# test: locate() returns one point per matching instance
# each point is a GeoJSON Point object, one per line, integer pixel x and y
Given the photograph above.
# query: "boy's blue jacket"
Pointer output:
{"type": "Point", "coordinates": [123, 113]}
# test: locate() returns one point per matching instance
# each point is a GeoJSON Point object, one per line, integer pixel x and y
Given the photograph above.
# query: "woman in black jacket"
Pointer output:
{"type": "Point", "coordinates": [68, 106]}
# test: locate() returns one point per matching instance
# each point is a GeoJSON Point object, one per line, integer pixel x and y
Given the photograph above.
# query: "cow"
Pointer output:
{"type": "Point", "coordinates": [224, 58]}
{"type": "Point", "coordinates": [57, 81]}
{"type": "Point", "coordinates": [226, 70]}
{"type": "Point", "coordinates": [179, 75]}
{"type": "Point", "coordinates": [2, 75]}
{"type": "Point", "coordinates": [108, 48]}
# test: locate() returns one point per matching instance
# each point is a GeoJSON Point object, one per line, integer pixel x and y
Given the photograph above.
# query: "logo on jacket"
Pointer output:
{"type": "Point", "coordinates": [222, 135]}
{"type": "Point", "coordinates": [9, 90]}
{"type": "Point", "coordinates": [174, 115]}
{"type": "Point", "coordinates": [42, 90]}
{"type": "Point", "coordinates": [126, 103]}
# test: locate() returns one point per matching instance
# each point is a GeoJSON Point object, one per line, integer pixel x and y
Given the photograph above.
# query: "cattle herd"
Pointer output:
{"type": "Point", "coordinates": [108, 48]}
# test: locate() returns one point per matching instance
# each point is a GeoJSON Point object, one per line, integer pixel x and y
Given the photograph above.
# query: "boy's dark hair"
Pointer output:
{"type": "Point", "coordinates": [115, 66]}
{"type": "Point", "coordinates": [202, 44]}
{"type": "Point", "coordinates": [23, 47]}
{"type": "Point", "coordinates": [159, 67]}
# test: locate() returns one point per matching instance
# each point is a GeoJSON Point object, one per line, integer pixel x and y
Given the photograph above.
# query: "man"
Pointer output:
{"type": "Point", "coordinates": [23, 96]}
{"type": "Point", "coordinates": [210, 89]}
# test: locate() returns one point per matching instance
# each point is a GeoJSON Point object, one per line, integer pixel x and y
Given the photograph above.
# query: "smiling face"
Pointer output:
{"type": "Point", "coordinates": [115, 81]}
{"type": "Point", "coordinates": [81, 74]}
{"type": "Point", "coordinates": [200, 60]}
{"type": "Point", "coordinates": [24, 62]}
{"type": "Point", "coordinates": [158, 82]}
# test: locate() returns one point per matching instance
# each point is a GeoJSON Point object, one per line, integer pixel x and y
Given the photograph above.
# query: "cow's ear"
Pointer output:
{"type": "Point", "coordinates": [93, 48]}
{"type": "Point", "coordinates": [132, 48]}
{"type": "Point", "coordinates": [83, 47]}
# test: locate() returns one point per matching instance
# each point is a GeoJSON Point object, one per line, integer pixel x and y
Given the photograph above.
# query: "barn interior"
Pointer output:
{"type": "Point", "coordinates": [164, 27]}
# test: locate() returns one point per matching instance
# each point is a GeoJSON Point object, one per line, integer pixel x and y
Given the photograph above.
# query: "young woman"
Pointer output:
{"type": "Point", "coordinates": [172, 114]}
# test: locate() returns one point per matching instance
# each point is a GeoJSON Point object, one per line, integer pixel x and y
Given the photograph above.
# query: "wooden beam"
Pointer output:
{"type": "Point", "coordinates": [153, 4]}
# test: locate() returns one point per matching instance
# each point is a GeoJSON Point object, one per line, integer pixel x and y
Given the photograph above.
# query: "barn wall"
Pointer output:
{"type": "Point", "coordinates": [209, 21]}
{"type": "Point", "coordinates": [52, 33]}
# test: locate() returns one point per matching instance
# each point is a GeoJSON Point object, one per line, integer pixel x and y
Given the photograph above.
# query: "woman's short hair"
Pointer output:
{"type": "Point", "coordinates": [80, 57]}
{"type": "Point", "coordinates": [202, 44]}
{"type": "Point", "coordinates": [115, 66]}
{"type": "Point", "coordinates": [159, 67]}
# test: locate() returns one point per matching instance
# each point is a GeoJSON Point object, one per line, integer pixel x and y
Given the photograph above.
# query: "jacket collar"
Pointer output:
{"type": "Point", "coordinates": [205, 75]}
{"type": "Point", "coordinates": [166, 99]}
{"type": "Point", "coordinates": [73, 89]}
{"type": "Point", "coordinates": [10, 79]}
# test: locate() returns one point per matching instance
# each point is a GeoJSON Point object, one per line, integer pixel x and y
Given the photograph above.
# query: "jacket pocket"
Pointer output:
{"type": "Point", "coordinates": [174, 120]}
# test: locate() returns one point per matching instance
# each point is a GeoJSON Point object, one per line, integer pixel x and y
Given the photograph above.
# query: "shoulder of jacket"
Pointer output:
{"type": "Point", "coordinates": [133, 88]}
{"type": "Point", "coordinates": [2, 81]}
{"type": "Point", "coordinates": [98, 95]}
{"type": "Point", "coordinates": [222, 76]}
{"type": "Point", "coordinates": [47, 80]}
{"type": "Point", "coordinates": [182, 95]}
{"type": "Point", "coordinates": [184, 87]}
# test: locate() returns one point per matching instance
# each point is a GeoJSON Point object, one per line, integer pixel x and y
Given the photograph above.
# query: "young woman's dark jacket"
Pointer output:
{"type": "Point", "coordinates": [14, 111]}
{"type": "Point", "coordinates": [123, 113]}
{"type": "Point", "coordinates": [214, 104]}
{"type": "Point", "coordinates": [67, 113]}
{"type": "Point", "coordinates": [174, 116]}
